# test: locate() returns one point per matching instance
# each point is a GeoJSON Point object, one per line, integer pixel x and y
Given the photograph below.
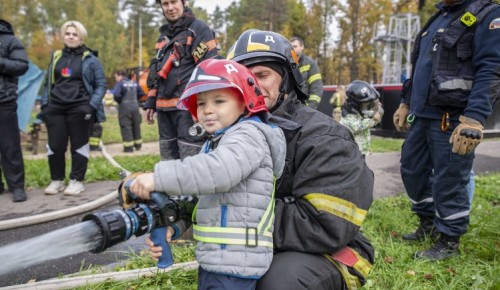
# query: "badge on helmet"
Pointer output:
{"type": "Point", "coordinates": [212, 74]}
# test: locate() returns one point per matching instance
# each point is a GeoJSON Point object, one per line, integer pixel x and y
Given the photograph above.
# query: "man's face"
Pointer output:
{"type": "Point", "coordinates": [297, 47]}
{"type": "Point", "coordinates": [172, 9]}
{"type": "Point", "coordinates": [269, 81]}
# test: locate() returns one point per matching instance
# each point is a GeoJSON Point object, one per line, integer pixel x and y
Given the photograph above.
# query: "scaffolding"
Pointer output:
{"type": "Point", "coordinates": [398, 43]}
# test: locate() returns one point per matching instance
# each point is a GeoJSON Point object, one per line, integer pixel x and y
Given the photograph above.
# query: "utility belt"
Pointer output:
{"type": "Point", "coordinates": [353, 267]}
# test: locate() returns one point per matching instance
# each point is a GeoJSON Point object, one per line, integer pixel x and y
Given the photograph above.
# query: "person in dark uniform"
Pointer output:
{"type": "Point", "coordinates": [183, 43]}
{"type": "Point", "coordinates": [127, 93]}
{"type": "Point", "coordinates": [455, 79]}
{"type": "Point", "coordinates": [13, 63]}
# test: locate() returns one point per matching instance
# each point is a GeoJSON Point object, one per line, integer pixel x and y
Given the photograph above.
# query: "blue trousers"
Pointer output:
{"type": "Point", "coordinates": [215, 281]}
{"type": "Point", "coordinates": [436, 179]}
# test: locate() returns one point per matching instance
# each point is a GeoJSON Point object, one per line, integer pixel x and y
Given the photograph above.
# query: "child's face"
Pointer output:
{"type": "Point", "coordinates": [217, 109]}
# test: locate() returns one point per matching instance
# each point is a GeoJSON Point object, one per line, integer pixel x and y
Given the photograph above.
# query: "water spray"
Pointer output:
{"type": "Point", "coordinates": [101, 230]}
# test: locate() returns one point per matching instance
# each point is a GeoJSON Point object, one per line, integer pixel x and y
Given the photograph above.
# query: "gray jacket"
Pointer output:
{"type": "Point", "coordinates": [235, 183]}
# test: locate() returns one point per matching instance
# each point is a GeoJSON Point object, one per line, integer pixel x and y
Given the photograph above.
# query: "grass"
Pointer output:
{"type": "Point", "coordinates": [381, 145]}
{"type": "Point", "coordinates": [476, 268]}
{"type": "Point", "coordinates": [111, 130]}
{"type": "Point", "coordinates": [38, 176]}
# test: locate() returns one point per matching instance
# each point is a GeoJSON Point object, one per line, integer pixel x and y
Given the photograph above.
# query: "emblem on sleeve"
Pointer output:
{"type": "Point", "coordinates": [200, 50]}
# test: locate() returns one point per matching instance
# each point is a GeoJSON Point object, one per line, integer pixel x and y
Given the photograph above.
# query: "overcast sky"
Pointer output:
{"type": "Point", "coordinates": [209, 5]}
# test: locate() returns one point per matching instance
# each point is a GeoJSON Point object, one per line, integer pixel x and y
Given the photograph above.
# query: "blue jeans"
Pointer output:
{"type": "Point", "coordinates": [435, 178]}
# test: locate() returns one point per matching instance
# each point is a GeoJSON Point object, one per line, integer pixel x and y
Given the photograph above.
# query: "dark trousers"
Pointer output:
{"type": "Point", "coordinates": [214, 281]}
{"type": "Point", "coordinates": [95, 134]}
{"type": "Point", "coordinates": [130, 119]}
{"type": "Point", "coordinates": [74, 123]}
{"type": "Point", "coordinates": [175, 141]}
{"type": "Point", "coordinates": [301, 271]}
{"type": "Point", "coordinates": [10, 146]}
{"type": "Point", "coordinates": [435, 178]}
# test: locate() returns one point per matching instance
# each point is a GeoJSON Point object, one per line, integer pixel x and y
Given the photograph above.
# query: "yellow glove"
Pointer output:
{"type": "Point", "coordinates": [466, 136]}
{"type": "Point", "coordinates": [399, 118]}
{"type": "Point", "coordinates": [124, 198]}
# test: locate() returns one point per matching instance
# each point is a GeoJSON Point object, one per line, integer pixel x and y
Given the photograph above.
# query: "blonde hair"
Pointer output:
{"type": "Point", "coordinates": [80, 29]}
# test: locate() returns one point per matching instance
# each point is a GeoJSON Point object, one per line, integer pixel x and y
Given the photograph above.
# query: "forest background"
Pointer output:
{"type": "Point", "coordinates": [113, 29]}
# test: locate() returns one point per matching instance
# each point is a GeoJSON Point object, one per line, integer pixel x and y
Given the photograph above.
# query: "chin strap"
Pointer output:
{"type": "Point", "coordinates": [283, 92]}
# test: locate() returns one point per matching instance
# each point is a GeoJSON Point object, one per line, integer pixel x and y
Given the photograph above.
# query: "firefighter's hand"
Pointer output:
{"type": "Point", "coordinates": [155, 251]}
{"type": "Point", "coordinates": [143, 185]}
{"type": "Point", "coordinates": [399, 118]}
{"type": "Point", "coordinates": [149, 116]}
{"type": "Point", "coordinates": [466, 136]}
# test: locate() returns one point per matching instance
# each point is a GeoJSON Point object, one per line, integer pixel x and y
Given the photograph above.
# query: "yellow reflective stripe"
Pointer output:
{"type": "Point", "coordinates": [193, 215]}
{"type": "Point", "coordinates": [138, 141]}
{"type": "Point", "coordinates": [313, 78]}
{"type": "Point", "coordinates": [128, 144]}
{"type": "Point", "coordinates": [352, 281]}
{"type": "Point", "coordinates": [362, 265]}
{"type": "Point", "coordinates": [94, 141]}
{"type": "Point", "coordinates": [224, 230]}
{"type": "Point", "coordinates": [315, 98]}
{"type": "Point", "coordinates": [269, 214]}
{"type": "Point", "coordinates": [228, 241]}
{"type": "Point", "coordinates": [305, 68]}
{"type": "Point", "coordinates": [337, 206]}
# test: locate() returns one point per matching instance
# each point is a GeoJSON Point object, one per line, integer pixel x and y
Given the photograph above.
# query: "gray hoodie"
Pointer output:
{"type": "Point", "coordinates": [235, 183]}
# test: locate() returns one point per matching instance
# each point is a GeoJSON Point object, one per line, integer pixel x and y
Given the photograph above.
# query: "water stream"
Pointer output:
{"type": "Point", "coordinates": [60, 243]}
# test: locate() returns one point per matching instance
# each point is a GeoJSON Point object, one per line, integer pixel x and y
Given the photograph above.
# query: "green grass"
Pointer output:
{"type": "Point", "coordinates": [111, 130]}
{"type": "Point", "coordinates": [380, 145]}
{"type": "Point", "coordinates": [99, 169]}
{"type": "Point", "coordinates": [476, 268]}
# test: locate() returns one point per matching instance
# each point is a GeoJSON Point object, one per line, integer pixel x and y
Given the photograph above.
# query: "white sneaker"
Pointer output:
{"type": "Point", "coordinates": [54, 187]}
{"type": "Point", "coordinates": [74, 187]}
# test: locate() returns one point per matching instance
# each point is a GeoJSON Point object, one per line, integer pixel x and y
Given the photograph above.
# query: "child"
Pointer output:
{"type": "Point", "coordinates": [234, 177]}
{"type": "Point", "coordinates": [361, 112]}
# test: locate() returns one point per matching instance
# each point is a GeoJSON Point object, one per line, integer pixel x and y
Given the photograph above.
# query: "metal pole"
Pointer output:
{"type": "Point", "coordinates": [140, 41]}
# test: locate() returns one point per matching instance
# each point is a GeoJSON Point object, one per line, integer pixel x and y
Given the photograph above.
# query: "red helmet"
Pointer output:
{"type": "Point", "coordinates": [212, 74]}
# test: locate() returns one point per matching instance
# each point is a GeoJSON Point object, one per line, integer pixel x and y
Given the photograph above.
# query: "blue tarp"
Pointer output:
{"type": "Point", "coordinates": [28, 87]}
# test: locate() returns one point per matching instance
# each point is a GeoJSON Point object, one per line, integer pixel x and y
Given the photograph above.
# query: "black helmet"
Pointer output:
{"type": "Point", "coordinates": [361, 92]}
{"type": "Point", "coordinates": [256, 47]}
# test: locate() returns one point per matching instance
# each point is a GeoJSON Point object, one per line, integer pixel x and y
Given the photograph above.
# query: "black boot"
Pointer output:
{"type": "Point", "coordinates": [128, 149]}
{"type": "Point", "coordinates": [19, 195]}
{"type": "Point", "coordinates": [137, 146]}
{"type": "Point", "coordinates": [446, 247]}
{"type": "Point", "coordinates": [424, 230]}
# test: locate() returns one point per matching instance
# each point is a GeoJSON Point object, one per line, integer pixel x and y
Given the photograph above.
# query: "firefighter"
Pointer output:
{"type": "Point", "coordinates": [326, 188]}
{"type": "Point", "coordinates": [127, 93]}
{"type": "Point", "coordinates": [445, 103]}
{"type": "Point", "coordinates": [313, 84]}
{"type": "Point", "coordinates": [184, 42]}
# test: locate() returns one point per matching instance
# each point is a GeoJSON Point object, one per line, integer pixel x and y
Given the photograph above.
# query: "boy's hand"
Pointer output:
{"type": "Point", "coordinates": [143, 185]}
{"type": "Point", "coordinates": [154, 251]}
